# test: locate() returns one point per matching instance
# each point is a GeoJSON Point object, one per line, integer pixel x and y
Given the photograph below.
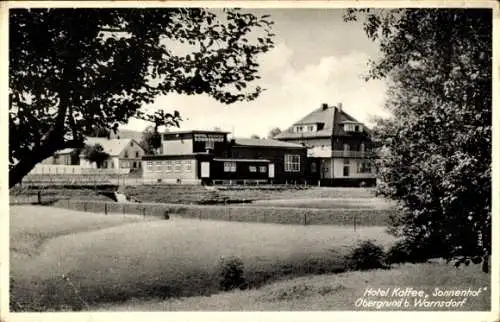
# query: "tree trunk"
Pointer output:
{"type": "Point", "coordinates": [485, 264]}
{"type": "Point", "coordinates": [26, 164]}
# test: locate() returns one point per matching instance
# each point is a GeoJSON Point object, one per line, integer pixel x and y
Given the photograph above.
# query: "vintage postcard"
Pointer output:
{"type": "Point", "coordinates": [277, 161]}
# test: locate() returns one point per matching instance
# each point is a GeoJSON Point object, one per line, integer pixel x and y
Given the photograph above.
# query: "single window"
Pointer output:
{"type": "Point", "coordinates": [313, 167]}
{"type": "Point", "coordinates": [356, 128]}
{"type": "Point", "coordinates": [346, 171]}
{"type": "Point", "coordinates": [210, 145]}
{"type": "Point", "coordinates": [125, 155]}
{"type": "Point", "coordinates": [364, 167]}
{"type": "Point", "coordinates": [131, 143]}
{"type": "Point", "coordinates": [263, 169]}
{"type": "Point", "coordinates": [177, 166]}
{"type": "Point", "coordinates": [134, 165]}
{"type": "Point", "coordinates": [362, 147]}
{"type": "Point", "coordinates": [346, 161]}
{"type": "Point", "coordinates": [292, 163]}
{"type": "Point", "coordinates": [252, 168]}
{"type": "Point", "coordinates": [137, 154]}
{"type": "Point", "coordinates": [187, 165]}
{"type": "Point", "coordinates": [229, 166]}
{"type": "Point", "coordinates": [346, 147]}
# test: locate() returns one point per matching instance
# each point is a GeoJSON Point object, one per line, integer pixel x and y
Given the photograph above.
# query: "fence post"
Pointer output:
{"type": "Point", "coordinates": [144, 212]}
{"type": "Point", "coordinates": [39, 195]}
{"type": "Point", "coordinates": [84, 206]}
{"type": "Point", "coordinates": [105, 208]}
{"type": "Point", "coordinates": [354, 217]}
{"type": "Point", "coordinates": [123, 209]}
{"type": "Point", "coordinates": [305, 219]}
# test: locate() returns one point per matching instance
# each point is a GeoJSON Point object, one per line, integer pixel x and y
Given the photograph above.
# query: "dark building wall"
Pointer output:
{"type": "Point", "coordinates": [276, 156]}
{"type": "Point", "coordinates": [242, 171]}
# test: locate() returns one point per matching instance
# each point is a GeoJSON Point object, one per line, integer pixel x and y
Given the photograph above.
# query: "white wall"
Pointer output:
{"type": "Point", "coordinates": [338, 165]}
{"type": "Point", "coordinates": [160, 170]}
{"type": "Point", "coordinates": [177, 147]}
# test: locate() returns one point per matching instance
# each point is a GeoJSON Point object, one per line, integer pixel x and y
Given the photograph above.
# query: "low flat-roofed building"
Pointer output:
{"type": "Point", "coordinates": [210, 157]}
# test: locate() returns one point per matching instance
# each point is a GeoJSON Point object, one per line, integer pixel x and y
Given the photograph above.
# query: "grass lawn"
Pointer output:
{"type": "Point", "coordinates": [331, 291]}
{"type": "Point", "coordinates": [31, 226]}
{"type": "Point", "coordinates": [328, 203]}
{"type": "Point", "coordinates": [63, 259]}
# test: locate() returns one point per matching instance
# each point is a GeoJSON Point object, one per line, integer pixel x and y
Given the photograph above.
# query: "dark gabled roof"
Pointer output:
{"type": "Point", "coordinates": [321, 115]}
{"type": "Point", "coordinates": [331, 118]}
{"type": "Point", "coordinates": [341, 117]}
{"type": "Point", "coordinates": [265, 143]}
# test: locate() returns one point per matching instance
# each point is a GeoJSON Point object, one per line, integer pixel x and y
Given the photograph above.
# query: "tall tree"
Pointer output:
{"type": "Point", "coordinates": [273, 132]}
{"type": "Point", "coordinates": [151, 140]}
{"type": "Point", "coordinates": [95, 154]}
{"type": "Point", "coordinates": [437, 145]}
{"type": "Point", "coordinates": [72, 70]}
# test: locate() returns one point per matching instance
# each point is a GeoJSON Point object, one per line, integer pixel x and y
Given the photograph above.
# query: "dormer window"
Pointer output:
{"type": "Point", "coordinates": [306, 128]}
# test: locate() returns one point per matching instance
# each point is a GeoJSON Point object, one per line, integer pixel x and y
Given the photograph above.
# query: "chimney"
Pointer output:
{"type": "Point", "coordinates": [324, 106]}
{"type": "Point", "coordinates": [339, 106]}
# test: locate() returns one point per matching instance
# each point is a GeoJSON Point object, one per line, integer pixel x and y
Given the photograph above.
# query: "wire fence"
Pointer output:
{"type": "Point", "coordinates": [355, 218]}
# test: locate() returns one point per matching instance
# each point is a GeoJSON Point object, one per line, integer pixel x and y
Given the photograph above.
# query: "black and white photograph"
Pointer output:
{"type": "Point", "coordinates": [249, 157]}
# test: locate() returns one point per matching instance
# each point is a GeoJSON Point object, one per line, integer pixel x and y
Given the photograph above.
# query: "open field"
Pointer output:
{"type": "Point", "coordinates": [190, 194]}
{"type": "Point", "coordinates": [32, 226]}
{"type": "Point", "coordinates": [328, 203]}
{"type": "Point", "coordinates": [346, 215]}
{"type": "Point", "coordinates": [197, 194]}
{"type": "Point", "coordinates": [331, 292]}
{"type": "Point", "coordinates": [65, 260]}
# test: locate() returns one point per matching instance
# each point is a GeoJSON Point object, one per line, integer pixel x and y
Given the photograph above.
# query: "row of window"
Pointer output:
{"type": "Point", "coordinates": [231, 167]}
{"type": "Point", "coordinates": [347, 147]}
{"type": "Point", "coordinates": [305, 128]}
{"type": "Point", "coordinates": [170, 166]}
{"type": "Point", "coordinates": [125, 155]}
{"type": "Point", "coordinates": [353, 128]}
{"type": "Point", "coordinates": [123, 164]}
{"type": "Point", "coordinates": [362, 166]}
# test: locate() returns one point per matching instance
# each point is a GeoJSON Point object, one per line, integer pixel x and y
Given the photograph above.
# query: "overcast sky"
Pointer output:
{"type": "Point", "coordinates": [318, 59]}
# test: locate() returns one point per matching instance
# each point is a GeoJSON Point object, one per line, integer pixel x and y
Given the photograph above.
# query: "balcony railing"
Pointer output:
{"type": "Point", "coordinates": [349, 154]}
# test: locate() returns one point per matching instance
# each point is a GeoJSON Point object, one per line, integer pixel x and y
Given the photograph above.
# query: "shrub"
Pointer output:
{"type": "Point", "coordinates": [367, 255]}
{"type": "Point", "coordinates": [231, 274]}
{"type": "Point", "coordinates": [407, 251]}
